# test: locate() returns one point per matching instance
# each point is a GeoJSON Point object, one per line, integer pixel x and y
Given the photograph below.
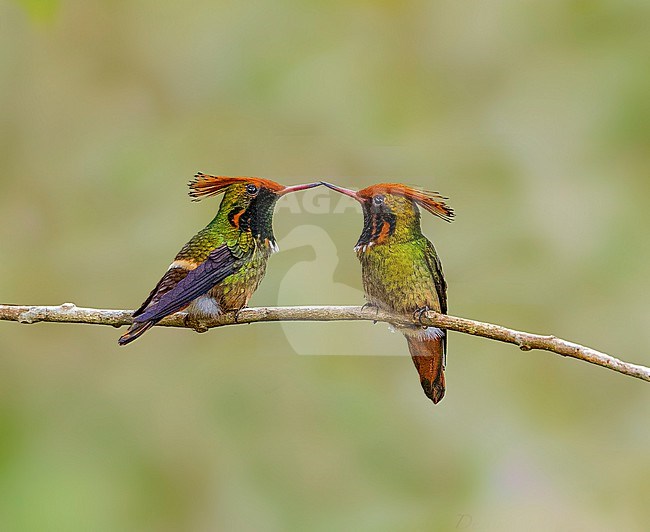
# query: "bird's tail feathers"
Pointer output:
{"type": "Point", "coordinates": [428, 356]}
{"type": "Point", "coordinates": [136, 330]}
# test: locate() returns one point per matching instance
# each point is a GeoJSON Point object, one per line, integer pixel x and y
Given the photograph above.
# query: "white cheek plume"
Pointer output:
{"type": "Point", "coordinates": [363, 248]}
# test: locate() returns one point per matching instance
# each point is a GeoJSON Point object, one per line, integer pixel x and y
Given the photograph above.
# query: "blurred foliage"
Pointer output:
{"type": "Point", "coordinates": [40, 10]}
{"type": "Point", "coordinates": [532, 116]}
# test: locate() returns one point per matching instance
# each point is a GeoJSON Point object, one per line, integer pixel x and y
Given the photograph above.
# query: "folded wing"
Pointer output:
{"type": "Point", "coordinates": [179, 287]}
{"type": "Point", "coordinates": [220, 264]}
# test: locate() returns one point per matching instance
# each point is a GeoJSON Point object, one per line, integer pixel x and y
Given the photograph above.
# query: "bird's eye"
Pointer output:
{"type": "Point", "coordinates": [251, 189]}
{"type": "Point", "coordinates": [378, 199]}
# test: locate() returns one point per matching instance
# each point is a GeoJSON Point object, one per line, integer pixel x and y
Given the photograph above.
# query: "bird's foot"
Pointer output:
{"type": "Point", "coordinates": [370, 305]}
{"type": "Point", "coordinates": [196, 323]}
{"type": "Point", "coordinates": [236, 313]}
{"type": "Point", "coordinates": [417, 315]}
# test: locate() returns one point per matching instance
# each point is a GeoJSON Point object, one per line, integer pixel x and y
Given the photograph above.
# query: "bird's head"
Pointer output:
{"type": "Point", "coordinates": [248, 202]}
{"type": "Point", "coordinates": [391, 210]}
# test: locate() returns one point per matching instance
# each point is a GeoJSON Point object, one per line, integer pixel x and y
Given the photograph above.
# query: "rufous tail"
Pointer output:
{"type": "Point", "coordinates": [135, 331]}
{"type": "Point", "coordinates": [428, 357]}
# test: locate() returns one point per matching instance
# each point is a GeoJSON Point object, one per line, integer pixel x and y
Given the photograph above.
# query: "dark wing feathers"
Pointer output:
{"type": "Point", "coordinates": [220, 264]}
{"type": "Point", "coordinates": [435, 267]}
{"type": "Point", "coordinates": [172, 277]}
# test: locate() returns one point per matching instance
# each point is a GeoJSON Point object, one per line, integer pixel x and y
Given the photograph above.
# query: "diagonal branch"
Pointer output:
{"type": "Point", "coordinates": [69, 313]}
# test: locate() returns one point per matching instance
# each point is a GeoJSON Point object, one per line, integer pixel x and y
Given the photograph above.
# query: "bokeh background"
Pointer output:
{"type": "Point", "coordinates": [533, 117]}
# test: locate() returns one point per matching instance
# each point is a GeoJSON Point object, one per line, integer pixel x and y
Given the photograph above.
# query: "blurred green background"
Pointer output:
{"type": "Point", "coordinates": [533, 117]}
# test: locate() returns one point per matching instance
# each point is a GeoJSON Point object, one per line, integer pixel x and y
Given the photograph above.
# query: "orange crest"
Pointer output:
{"type": "Point", "coordinates": [431, 201]}
{"type": "Point", "coordinates": [204, 185]}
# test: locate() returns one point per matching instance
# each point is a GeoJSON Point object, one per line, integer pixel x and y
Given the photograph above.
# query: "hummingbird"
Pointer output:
{"type": "Point", "coordinates": [221, 266]}
{"type": "Point", "coordinates": [401, 271]}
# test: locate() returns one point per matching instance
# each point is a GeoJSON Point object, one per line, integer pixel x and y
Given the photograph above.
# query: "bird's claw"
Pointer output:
{"type": "Point", "coordinates": [195, 323]}
{"type": "Point", "coordinates": [370, 305]}
{"type": "Point", "coordinates": [236, 314]}
{"type": "Point", "coordinates": [419, 313]}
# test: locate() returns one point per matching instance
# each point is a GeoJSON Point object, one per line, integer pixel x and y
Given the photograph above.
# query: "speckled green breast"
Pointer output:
{"type": "Point", "coordinates": [234, 292]}
{"type": "Point", "coordinates": [396, 276]}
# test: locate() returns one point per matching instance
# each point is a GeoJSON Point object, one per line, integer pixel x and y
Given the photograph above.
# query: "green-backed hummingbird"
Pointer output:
{"type": "Point", "coordinates": [223, 264]}
{"type": "Point", "coordinates": [401, 270]}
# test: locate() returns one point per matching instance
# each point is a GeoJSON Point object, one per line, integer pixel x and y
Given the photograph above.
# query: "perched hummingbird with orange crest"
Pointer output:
{"type": "Point", "coordinates": [223, 264]}
{"type": "Point", "coordinates": [401, 270]}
